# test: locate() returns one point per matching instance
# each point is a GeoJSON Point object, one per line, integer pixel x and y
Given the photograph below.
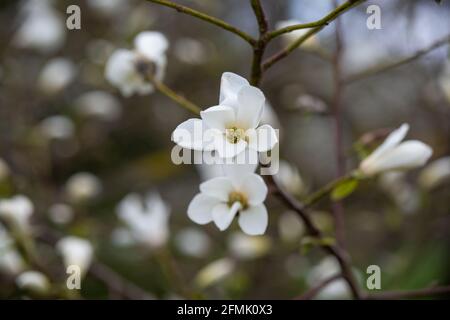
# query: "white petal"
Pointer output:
{"type": "Point", "coordinates": [189, 135]}
{"type": "Point", "coordinates": [218, 117]}
{"type": "Point", "coordinates": [200, 209]}
{"type": "Point", "coordinates": [151, 44]}
{"type": "Point", "coordinates": [229, 87]}
{"type": "Point", "coordinates": [218, 188]}
{"type": "Point", "coordinates": [255, 189]}
{"type": "Point", "coordinates": [119, 66]}
{"type": "Point", "coordinates": [254, 220]}
{"type": "Point", "coordinates": [251, 106]}
{"type": "Point", "coordinates": [262, 139]}
{"type": "Point", "coordinates": [240, 166]}
{"type": "Point", "coordinates": [407, 155]}
{"type": "Point", "coordinates": [391, 141]}
{"type": "Point", "coordinates": [226, 149]}
{"type": "Point", "coordinates": [223, 215]}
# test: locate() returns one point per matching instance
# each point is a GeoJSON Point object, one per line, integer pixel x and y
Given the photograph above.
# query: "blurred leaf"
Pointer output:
{"type": "Point", "coordinates": [344, 189]}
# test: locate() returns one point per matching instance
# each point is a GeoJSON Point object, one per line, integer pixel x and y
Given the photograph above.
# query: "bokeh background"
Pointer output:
{"type": "Point", "coordinates": [59, 117]}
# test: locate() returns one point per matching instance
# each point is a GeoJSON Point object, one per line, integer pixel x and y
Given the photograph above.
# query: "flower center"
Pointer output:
{"type": "Point", "coordinates": [234, 135]}
{"type": "Point", "coordinates": [145, 67]}
{"type": "Point", "coordinates": [236, 196]}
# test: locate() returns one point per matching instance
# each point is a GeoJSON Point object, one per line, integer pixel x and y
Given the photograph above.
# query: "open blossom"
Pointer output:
{"type": "Point", "coordinates": [393, 154]}
{"type": "Point", "coordinates": [17, 211]}
{"type": "Point", "coordinates": [296, 34]}
{"type": "Point", "coordinates": [125, 68]}
{"type": "Point", "coordinates": [146, 218]}
{"type": "Point", "coordinates": [239, 194]}
{"type": "Point", "coordinates": [76, 252]}
{"type": "Point", "coordinates": [232, 126]}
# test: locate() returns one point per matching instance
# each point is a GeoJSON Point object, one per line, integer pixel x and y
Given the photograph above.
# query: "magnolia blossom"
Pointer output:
{"type": "Point", "coordinates": [17, 211]}
{"type": "Point", "coordinates": [240, 193]}
{"type": "Point", "coordinates": [289, 177]}
{"type": "Point", "coordinates": [34, 281]}
{"type": "Point", "coordinates": [76, 252]}
{"type": "Point", "coordinates": [146, 218]}
{"type": "Point", "coordinates": [232, 126]}
{"type": "Point", "coordinates": [296, 34]}
{"type": "Point", "coordinates": [393, 154]}
{"type": "Point", "coordinates": [83, 186]}
{"type": "Point", "coordinates": [125, 68]}
{"type": "Point", "coordinates": [435, 173]}
{"type": "Point", "coordinates": [56, 75]}
{"type": "Point", "coordinates": [11, 262]}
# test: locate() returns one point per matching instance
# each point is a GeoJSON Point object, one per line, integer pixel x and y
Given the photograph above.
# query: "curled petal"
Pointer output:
{"type": "Point", "coordinates": [223, 215]}
{"type": "Point", "coordinates": [201, 207]}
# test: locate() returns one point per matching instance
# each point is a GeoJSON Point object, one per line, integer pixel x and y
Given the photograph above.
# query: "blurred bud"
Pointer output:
{"type": "Point", "coordinates": [193, 242]}
{"type": "Point", "coordinates": [289, 178]}
{"type": "Point", "coordinates": [17, 211]}
{"type": "Point", "coordinates": [309, 103]}
{"type": "Point", "coordinates": [11, 262]}
{"type": "Point", "coordinates": [108, 7]}
{"type": "Point", "coordinates": [405, 196]}
{"type": "Point", "coordinates": [190, 51]}
{"type": "Point", "coordinates": [34, 282]}
{"type": "Point", "coordinates": [61, 213]}
{"type": "Point", "coordinates": [4, 170]}
{"type": "Point", "coordinates": [76, 252]}
{"type": "Point", "coordinates": [56, 75]}
{"type": "Point", "coordinates": [247, 247]}
{"type": "Point", "coordinates": [98, 104]}
{"type": "Point", "coordinates": [293, 36]}
{"type": "Point", "coordinates": [214, 272]}
{"type": "Point", "coordinates": [435, 173]}
{"type": "Point", "coordinates": [83, 186]}
{"type": "Point", "coordinates": [290, 227]}
{"type": "Point", "coordinates": [57, 127]}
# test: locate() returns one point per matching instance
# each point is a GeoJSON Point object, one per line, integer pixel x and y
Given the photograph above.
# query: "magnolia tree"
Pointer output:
{"type": "Point", "coordinates": [236, 141]}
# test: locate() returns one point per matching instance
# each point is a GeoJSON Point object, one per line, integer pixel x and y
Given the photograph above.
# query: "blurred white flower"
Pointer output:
{"type": "Point", "coordinates": [190, 51]}
{"type": "Point", "coordinates": [146, 218]}
{"type": "Point", "coordinates": [290, 227]}
{"type": "Point", "coordinates": [231, 127]}
{"type": "Point", "coordinates": [328, 267]}
{"type": "Point", "coordinates": [61, 213]}
{"type": "Point", "coordinates": [293, 36]}
{"type": "Point", "coordinates": [99, 104]}
{"type": "Point", "coordinates": [214, 272]}
{"type": "Point", "coordinates": [246, 247]}
{"type": "Point", "coordinates": [17, 211]}
{"type": "Point", "coordinates": [405, 196]}
{"type": "Point", "coordinates": [83, 186]}
{"type": "Point", "coordinates": [192, 242]}
{"type": "Point", "coordinates": [124, 68]}
{"type": "Point", "coordinates": [309, 103]}
{"type": "Point", "coordinates": [57, 127]}
{"type": "Point", "coordinates": [33, 281]}
{"type": "Point", "coordinates": [43, 28]}
{"type": "Point", "coordinates": [56, 75]}
{"type": "Point", "coordinates": [289, 178]}
{"type": "Point", "coordinates": [76, 252]}
{"type": "Point", "coordinates": [11, 262]}
{"type": "Point", "coordinates": [393, 154]}
{"type": "Point", "coordinates": [108, 7]}
{"type": "Point", "coordinates": [239, 193]}
{"type": "Point", "coordinates": [435, 173]}
{"type": "Point", "coordinates": [4, 169]}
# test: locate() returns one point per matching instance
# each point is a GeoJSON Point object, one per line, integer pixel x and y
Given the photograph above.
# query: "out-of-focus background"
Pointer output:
{"type": "Point", "coordinates": [76, 148]}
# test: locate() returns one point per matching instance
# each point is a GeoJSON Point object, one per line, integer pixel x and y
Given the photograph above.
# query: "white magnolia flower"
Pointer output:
{"type": "Point", "coordinates": [83, 186]}
{"type": "Point", "coordinates": [240, 193]}
{"type": "Point", "coordinates": [17, 211]}
{"type": "Point", "coordinates": [293, 36]}
{"type": "Point", "coordinates": [43, 28]}
{"type": "Point", "coordinates": [57, 127]}
{"type": "Point", "coordinates": [231, 127]}
{"type": "Point", "coordinates": [34, 281]}
{"type": "Point", "coordinates": [435, 173]}
{"type": "Point", "coordinates": [193, 242]}
{"type": "Point", "coordinates": [99, 104]}
{"type": "Point", "coordinates": [246, 247]}
{"type": "Point", "coordinates": [393, 154]}
{"type": "Point", "coordinates": [56, 75]}
{"type": "Point", "coordinates": [214, 272]}
{"type": "Point", "coordinates": [76, 252]}
{"type": "Point", "coordinates": [289, 177]}
{"type": "Point", "coordinates": [146, 218]}
{"type": "Point", "coordinates": [124, 68]}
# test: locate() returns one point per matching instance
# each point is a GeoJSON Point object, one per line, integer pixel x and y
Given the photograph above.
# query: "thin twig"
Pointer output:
{"type": "Point", "coordinates": [311, 293]}
{"type": "Point", "coordinates": [260, 16]}
{"type": "Point", "coordinates": [326, 20]}
{"type": "Point", "coordinates": [203, 16]}
{"type": "Point", "coordinates": [388, 66]}
{"type": "Point", "coordinates": [419, 293]}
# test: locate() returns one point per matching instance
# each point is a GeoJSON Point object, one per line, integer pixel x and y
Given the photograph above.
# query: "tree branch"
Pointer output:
{"type": "Point", "coordinates": [260, 16]}
{"type": "Point", "coordinates": [388, 66]}
{"type": "Point", "coordinates": [311, 293]}
{"type": "Point", "coordinates": [200, 15]}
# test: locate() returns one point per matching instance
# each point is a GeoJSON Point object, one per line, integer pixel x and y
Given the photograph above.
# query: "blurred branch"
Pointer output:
{"type": "Point", "coordinates": [200, 15]}
{"type": "Point", "coordinates": [311, 293]}
{"type": "Point", "coordinates": [419, 293]}
{"type": "Point", "coordinates": [388, 66]}
{"type": "Point", "coordinates": [320, 25]}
